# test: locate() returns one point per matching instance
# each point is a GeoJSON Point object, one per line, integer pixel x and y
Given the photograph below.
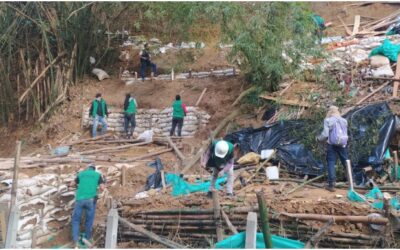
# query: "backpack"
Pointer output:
{"type": "Point", "coordinates": [338, 134]}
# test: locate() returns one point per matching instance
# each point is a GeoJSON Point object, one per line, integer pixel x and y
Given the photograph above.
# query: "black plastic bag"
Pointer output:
{"type": "Point", "coordinates": [154, 180]}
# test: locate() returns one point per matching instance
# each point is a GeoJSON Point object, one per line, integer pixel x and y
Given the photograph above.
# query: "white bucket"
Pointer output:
{"type": "Point", "coordinates": [272, 173]}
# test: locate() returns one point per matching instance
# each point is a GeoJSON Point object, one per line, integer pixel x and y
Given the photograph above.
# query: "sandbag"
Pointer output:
{"type": "Point", "coordinates": [101, 74]}
{"type": "Point", "coordinates": [379, 61]}
{"type": "Point", "coordinates": [382, 71]}
{"type": "Point", "coordinates": [249, 158]}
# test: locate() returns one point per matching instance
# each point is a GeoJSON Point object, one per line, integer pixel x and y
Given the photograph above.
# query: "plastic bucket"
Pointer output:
{"type": "Point", "coordinates": [272, 173]}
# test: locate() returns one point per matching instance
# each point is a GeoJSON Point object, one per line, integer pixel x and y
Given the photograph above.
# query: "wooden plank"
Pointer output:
{"type": "Point", "coordinates": [201, 97]}
{"type": "Point", "coordinates": [397, 76]}
{"type": "Point", "coordinates": [251, 231]}
{"type": "Point", "coordinates": [356, 25]}
{"type": "Point", "coordinates": [286, 102]}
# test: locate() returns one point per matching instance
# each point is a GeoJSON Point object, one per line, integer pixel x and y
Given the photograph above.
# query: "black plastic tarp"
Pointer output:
{"type": "Point", "coordinates": [370, 129]}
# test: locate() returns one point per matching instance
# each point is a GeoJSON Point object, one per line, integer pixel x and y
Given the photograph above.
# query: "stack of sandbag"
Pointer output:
{"type": "Point", "coordinates": [46, 201]}
{"type": "Point", "coordinates": [160, 121]}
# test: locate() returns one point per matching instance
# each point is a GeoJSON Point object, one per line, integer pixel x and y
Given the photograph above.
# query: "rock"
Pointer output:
{"type": "Point", "coordinates": [382, 71]}
{"type": "Point", "coordinates": [379, 61]}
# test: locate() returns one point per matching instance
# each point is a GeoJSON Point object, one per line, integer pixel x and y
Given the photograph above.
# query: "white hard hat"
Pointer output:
{"type": "Point", "coordinates": [221, 149]}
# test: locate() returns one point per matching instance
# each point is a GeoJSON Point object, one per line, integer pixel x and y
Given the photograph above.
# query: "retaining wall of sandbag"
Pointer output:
{"type": "Point", "coordinates": [46, 201]}
{"type": "Point", "coordinates": [158, 120]}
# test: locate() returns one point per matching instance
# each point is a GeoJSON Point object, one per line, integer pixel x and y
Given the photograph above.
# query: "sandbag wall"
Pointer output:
{"type": "Point", "coordinates": [129, 77]}
{"type": "Point", "coordinates": [158, 120]}
{"type": "Point", "coordinates": [46, 200]}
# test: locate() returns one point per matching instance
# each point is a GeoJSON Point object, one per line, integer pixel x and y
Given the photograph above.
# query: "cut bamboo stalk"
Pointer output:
{"type": "Point", "coordinates": [23, 96]}
{"type": "Point", "coordinates": [339, 218]}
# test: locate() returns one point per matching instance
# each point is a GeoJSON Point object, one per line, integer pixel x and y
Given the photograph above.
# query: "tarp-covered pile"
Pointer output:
{"type": "Point", "coordinates": [370, 129]}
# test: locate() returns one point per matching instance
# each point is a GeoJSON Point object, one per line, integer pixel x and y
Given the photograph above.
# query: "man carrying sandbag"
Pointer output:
{"type": "Point", "coordinates": [335, 134]}
{"type": "Point", "coordinates": [88, 182]}
{"type": "Point", "coordinates": [98, 111]}
{"type": "Point", "coordinates": [220, 158]}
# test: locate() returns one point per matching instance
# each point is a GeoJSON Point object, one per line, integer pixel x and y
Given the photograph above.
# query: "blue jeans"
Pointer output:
{"type": "Point", "coordinates": [144, 65]}
{"type": "Point", "coordinates": [331, 153]}
{"type": "Point", "coordinates": [96, 121]}
{"type": "Point", "coordinates": [90, 207]}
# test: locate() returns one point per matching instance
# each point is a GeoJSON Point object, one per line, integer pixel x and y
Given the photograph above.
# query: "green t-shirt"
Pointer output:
{"type": "Point", "coordinates": [88, 182]}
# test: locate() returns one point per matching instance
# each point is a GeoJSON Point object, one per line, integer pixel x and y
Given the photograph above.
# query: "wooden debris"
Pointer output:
{"type": "Point", "coordinates": [348, 31]}
{"type": "Point", "coordinates": [89, 139]}
{"type": "Point", "coordinates": [201, 97]}
{"type": "Point", "coordinates": [152, 236]}
{"type": "Point", "coordinates": [217, 215]}
{"type": "Point", "coordinates": [373, 93]}
{"type": "Point", "coordinates": [177, 151]}
{"type": "Point", "coordinates": [356, 25]}
{"type": "Point", "coordinates": [228, 222]}
{"type": "Point", "coordinates": [338, 218]}
{"type": "Point", "coordinates": [286, 102]}
{"type": "Point", "coordinates": [314, 240]}
{"type": "Point", "coordinates": [305, 183]}
{"type": "Point", "coordinates": [113, 148]}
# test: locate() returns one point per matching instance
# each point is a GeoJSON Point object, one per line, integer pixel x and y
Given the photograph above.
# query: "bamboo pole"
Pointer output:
{"type": "Point", "coordinates": [114, 148]}
{"type": "Point", "coordinates": [338, 218]}
{"type": "Point", "coordinates": [263, 211]}
{"type": "Point", "coordinates": [150, 235]}
{"type": "Point", "coordinates": [177, 151]}
{"type": "Point", "coordinates": [304, 183]}
{"type": "Point", "coordinates": [201, 97]}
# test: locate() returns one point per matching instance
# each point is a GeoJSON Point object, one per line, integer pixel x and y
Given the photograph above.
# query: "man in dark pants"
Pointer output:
{"type": "Point", "coordinates": [145, 61]}
{"type": "Point", "coordinates": [130, 107]}
{"type": "Point", "coordinates": [335, 134]}
{"type": "Point", "coordinates": [88, 182]}
{"type": "Point", "coordinates": [178, 113]}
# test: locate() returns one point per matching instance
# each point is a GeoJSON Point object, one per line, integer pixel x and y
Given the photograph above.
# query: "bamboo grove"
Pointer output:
{"type": "Point", "coordinates": [44, 48]}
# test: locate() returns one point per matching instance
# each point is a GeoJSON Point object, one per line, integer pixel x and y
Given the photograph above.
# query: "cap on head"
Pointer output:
{"type": "Point", "coordinates": [221, 149]}
{"type": "Point", "coordinates": [177, 97]}
{"type": "Point", "coordinates": [92, 166]}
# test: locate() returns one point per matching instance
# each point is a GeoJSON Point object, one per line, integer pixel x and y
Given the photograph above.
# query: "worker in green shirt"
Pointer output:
{"type": "Point", "coordinates": [178, 113]}
{"type": "Point", "coordinates": [98, 111]}
{"type": "Point", "coordinates": [130, 107]}
{"type": "Point", "coordinates": [320, 25]}
{"type": "Point", "coordinates": [88, 182]}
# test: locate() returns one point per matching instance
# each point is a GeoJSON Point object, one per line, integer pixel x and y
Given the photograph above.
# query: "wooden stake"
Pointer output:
{"type": "Point", "coordinates": [396, 165]}
{"type": "Point", "coordinates": [163, 179]}
{"type": "Point", "coordinates": [349, 174]}
{"type": "Point", "coordinates": [397, 75]}
{"type": "Point", "coordinates": [373, 93]}
{"type": "Point", "coordinates": [319, 234]}
{"type": "Point", "coordinates": [217, 215]}
{"type": "Point", "coordinates": [15, 175]}
{"type": "Point", "coordinates": [263, 211]}
{"type": "Point", "coordinates": [123, 176]}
